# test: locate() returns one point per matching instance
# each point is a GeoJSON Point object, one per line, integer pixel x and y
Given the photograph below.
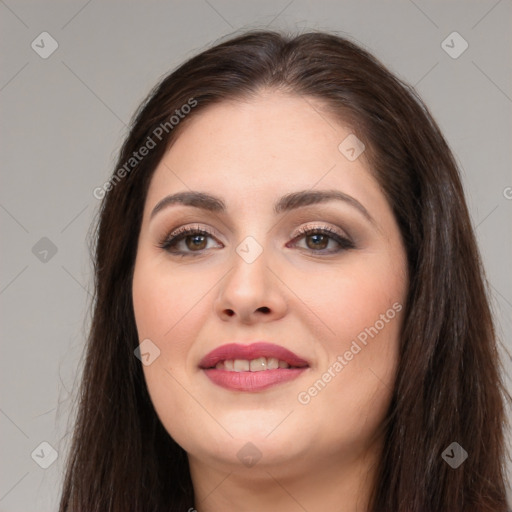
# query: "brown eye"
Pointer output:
{"type": "Point", "coordinates": [194, 242]}
{"type": "Point", "coordinates": [187, 241]}
{"type": "Point", "coordinates": [317, 241]}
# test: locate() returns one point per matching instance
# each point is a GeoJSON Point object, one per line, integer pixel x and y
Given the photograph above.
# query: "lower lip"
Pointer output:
{"type": "Point", "coordinates": [252, 381]}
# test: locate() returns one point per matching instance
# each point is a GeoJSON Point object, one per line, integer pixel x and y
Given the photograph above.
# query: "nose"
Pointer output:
{"type": "Point", "coordinates": [250, 292]}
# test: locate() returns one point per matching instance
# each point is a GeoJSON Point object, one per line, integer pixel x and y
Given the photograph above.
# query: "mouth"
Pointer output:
{"type": "Point", "coordinates": [252, 367]}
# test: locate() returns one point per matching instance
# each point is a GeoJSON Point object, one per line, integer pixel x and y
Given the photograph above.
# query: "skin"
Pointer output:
{"type": "Point", "coordinates": [318, 455]}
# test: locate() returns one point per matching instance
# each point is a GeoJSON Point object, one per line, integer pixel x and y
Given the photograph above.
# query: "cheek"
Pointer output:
{"type": "Point", "coordinates": [165, 304]}
{"type": "Point", "coordinates": [361, 308]}
{"type": "Point", "coordinates": [166, 315]}
{"type": "Point", "coordinates": [349, 300]}
{"type": "Point", "coordinates": [170, 309]}
{"type": "Point", "coordinates": [158, 310]}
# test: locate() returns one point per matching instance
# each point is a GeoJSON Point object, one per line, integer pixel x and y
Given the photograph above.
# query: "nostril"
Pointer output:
{"type": "Point", "coordinates": [264, 309]}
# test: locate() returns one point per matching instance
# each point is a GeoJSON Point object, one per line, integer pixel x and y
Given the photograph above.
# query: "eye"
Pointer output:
{"type": "Point", "coordinates": [195, 240]}
{"type": "Point", "coordinates": [192, 240]}
{"type": "Point", "coordinates": [317, 239]}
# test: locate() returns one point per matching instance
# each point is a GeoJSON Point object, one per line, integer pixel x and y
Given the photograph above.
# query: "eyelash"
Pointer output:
{"type": "Point", "coordinates": [173, 238]}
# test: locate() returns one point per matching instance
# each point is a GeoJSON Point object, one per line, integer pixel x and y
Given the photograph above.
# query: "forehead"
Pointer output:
{"type": "Point", "coordinates": [268, 145]}
{"type": "Point", "coordinates": [272, 125]}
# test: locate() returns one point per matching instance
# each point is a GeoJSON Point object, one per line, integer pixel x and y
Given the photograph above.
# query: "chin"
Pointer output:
{"type": "Point", "coordinates": [247, 445]}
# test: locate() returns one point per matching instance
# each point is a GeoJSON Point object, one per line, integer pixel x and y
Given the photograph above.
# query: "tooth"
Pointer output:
{"type": "Point", "coordinates": [257, 365]}
{"type": "Point", "coordinates": [254, 365]}
{"type": "Point", "coordinates": [241, 365]}
{"type": "Point", "coordinates": [272, 363]}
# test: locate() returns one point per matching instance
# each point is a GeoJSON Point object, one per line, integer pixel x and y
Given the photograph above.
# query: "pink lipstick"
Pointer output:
{"type": "Point", "coordinates": [253, 367]}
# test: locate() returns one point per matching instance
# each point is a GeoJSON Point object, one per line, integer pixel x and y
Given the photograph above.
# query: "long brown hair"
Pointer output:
{"type": "Point", "coordinates": [449, 385]}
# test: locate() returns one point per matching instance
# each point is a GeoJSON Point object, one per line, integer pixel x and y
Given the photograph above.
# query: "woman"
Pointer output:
{"type": "Point", "coordinates": [290, 307]}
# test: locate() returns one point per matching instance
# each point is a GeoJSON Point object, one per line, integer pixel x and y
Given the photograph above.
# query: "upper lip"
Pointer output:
{"type": "Point", "coordinates": [255, 350]}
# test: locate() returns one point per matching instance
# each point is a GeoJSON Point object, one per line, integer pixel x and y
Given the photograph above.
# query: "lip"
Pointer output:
{"type": "Point", "coordinates": [249, 352]}
{"type": "Point", "coordinates": [252, 381]}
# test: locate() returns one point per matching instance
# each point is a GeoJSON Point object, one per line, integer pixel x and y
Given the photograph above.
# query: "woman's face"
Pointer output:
{"type": "Point", "coordinates": [323, 279]}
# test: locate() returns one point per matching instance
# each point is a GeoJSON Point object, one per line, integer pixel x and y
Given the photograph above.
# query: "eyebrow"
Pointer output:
{"type": "Point", "coordinates": [286, 203]}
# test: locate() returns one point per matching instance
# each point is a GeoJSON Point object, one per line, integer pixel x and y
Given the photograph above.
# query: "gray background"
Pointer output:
{"type": "Point", "coordinates": [64, 118]}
